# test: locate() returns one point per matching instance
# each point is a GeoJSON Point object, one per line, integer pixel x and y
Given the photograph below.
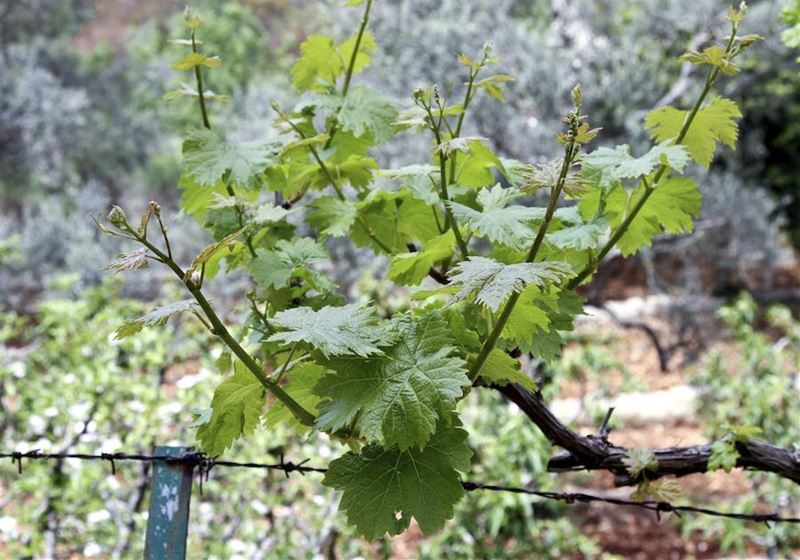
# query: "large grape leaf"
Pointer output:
{"type": "Point", "coordinates": [507, 225]}
{"type": "Point", "coordinates": [493, 282]}
{"type": "Point", "coordinates": [716, 122]}
{"type": "Point", "coordinates": [235, 411]}
{"type": "Point", "coordinates": [383, 489]}
{"type": "Point", "coordinates": [334, 331]}
{"type": "Point", "coordinates": [398, 398]}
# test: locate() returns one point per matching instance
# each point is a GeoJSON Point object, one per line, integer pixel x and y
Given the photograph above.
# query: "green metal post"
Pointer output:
{"type": "Point", "coordinates": [168, 520]}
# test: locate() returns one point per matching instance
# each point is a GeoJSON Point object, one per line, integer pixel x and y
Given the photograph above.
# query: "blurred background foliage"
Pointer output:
{"type": "Point", "coordinates": [82, 123]}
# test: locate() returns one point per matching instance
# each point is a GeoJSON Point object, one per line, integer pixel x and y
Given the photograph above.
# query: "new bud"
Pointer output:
{"type": "Point", "coordinates": [577, 96]}
{"type": "Point", "coordinates": [117, 217]}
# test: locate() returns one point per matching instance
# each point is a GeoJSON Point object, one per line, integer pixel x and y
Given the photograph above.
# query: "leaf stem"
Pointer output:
{"type": "Point", "coordinates": [286, 363]}
{"type": "Point", "coordinates": [351, 66]}
{"type": "Point", "coordinates": [219, 329]}
{"type": "Point", "coordinates": [570, 151]}
{"type": "Point", "coordinates": [450, 219]}
{"type": "Point", "coordinates": [198, 75]}
{"type": "Point", "coordinates": [712, 76]}
{"type": "Point", "coordinates": [328, 175]}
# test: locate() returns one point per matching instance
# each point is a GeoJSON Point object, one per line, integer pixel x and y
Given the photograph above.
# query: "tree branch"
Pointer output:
{"type": "Point", "coordinates": [597, 453]}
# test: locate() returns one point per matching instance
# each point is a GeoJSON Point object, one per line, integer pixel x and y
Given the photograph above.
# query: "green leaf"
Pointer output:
{"type": "Point", "coordinates": [580, 237]}
{"type": "Point", "coordinates": [365, 50]}
{"type": "Point", "coordinates": [500, 223]}
{"type": "Point", "coordinates": [671, 207]}
{"type": "Point", "coordinates": [711, 56]}
{"type": "Point", "coordinates": [334, 331]}
{"type": "Point", "coordinates": [193, 59]}
{"type": "Point", "coordinates": [332, 216]}
{"type": "Point", "coordinates": [613, 165]}
{"type": "Point", "coordinates": [289, 258]}
{"type": "Point", "coordinates": [537, 318]}
{"type": "Point", "coordinates": [157, 317]}
{"type": "Point", "coordinates": [212, 250]}
{"type": "Point", "coordinates": [363, 111]}
{"type": "Point", "coordinates": [459, 144]}
{"type": "Point", "coordinates": [475, 170]}
{"type": "Point", "coordinates": [716, 122]}
{"type": "Point", "coordinates": [198, 198]}
{"type": "Point", "coordinates": [493, 85]}
{"type": "Point", "coordinates": [302, 251]}
{"type": "Point", "coordinates": [411, 268]}
{"type": "Point", "coordinates": [319, 65]}
{"type": "Point", "coordinates": [493, 282]}
{"type": "Point", "coordinates": [398, 398]}
{"type": "Point", "coordinates": [723, 455]}
{"type": "Point", "coordinates": [302, 380]}
{"type": "Point", "coordinates": [236, 411]}
{"type": "Point", "coordinates": [501, 369]}
{"type": "Point", "coordinates": [207, 157]}
{"type": "Point", "coordinates": [383, 489]}
{"type": "Point", "coordinates": [270, 270]}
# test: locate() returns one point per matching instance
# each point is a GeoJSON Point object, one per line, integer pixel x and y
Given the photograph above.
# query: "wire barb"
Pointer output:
{"type": "Point", "coordinates": [204, 464]}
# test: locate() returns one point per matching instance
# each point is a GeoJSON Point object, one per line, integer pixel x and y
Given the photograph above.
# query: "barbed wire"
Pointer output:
{"type": "Point", "coordinates": [204, 464]}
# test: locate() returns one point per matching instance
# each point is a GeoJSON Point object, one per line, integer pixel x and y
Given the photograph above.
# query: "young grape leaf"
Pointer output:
{"type": "Point", "coordinates": [334, 331]}
{"type": "Point", "coordinates": [493, 282]}
{"type": "Point", "coordinates": [270, 270]}
{"type": "Point", "coordinates": [192, 59]}
{"type": "Point", "coordinates": [382, 489]}
{"type": "Point", "coordinates": [546, 176]}
{"type": "Point", "coordinates": [289, 259]}
{"type": "Point", "coordinates": [332, 216]}
{"type": "Point", "coordinates": [207, 157]}
{"type": "Point", "coordinates": [319, 64]}
{"type": "Point", "coordinates": [411, 268]}
{"type": "Point", "coordinates": [712, 56]}
{"type": "Point", "coordinates": [716, 122]}
{"type": "Point", "coordinates": [398, 398]}
{"type": "Point", "coordinates": [198, 198]}
{"type": "Point", "coordinates": [129, 261]}
{"type": "Point", "coordinates": [459, 144]}
{"type": "Point", "coordinates": [610, 166]}
{"type": "Point", "coordinates": [214, 248]}
{"type": "Point", "coordinates": [236, 411]}
{"type": "Point", "coordinates": [501, 369]}
{"type": "Point", "coordinates": [580, 237]}
{"type": "Point", "coordinates": [365, 50]}
{"type": "Point", "coordinates": [507, 225]}
{"type": "Point", "coordinates": [363, 110]}
{"type": "Point", "coordinates": [157, 317]}
{"type": "Point", "coordinates": [475, 169]}
{"type": "Point", "coordinates": [671, 207]}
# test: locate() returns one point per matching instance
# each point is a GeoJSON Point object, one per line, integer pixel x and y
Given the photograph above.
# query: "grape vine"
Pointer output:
{"type": "Point", "coordinates": [488, 275]}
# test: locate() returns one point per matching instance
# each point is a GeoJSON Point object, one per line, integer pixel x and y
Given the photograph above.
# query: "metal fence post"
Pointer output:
{"type": "Point", "coordinates": [168, 519]}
